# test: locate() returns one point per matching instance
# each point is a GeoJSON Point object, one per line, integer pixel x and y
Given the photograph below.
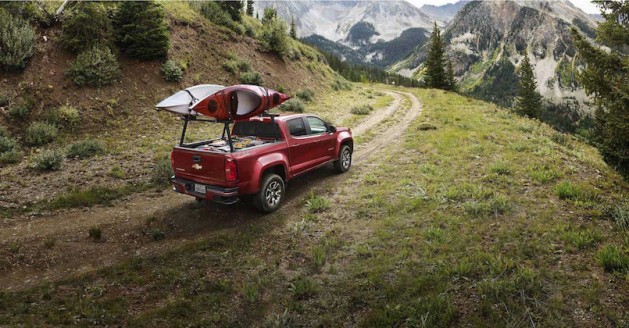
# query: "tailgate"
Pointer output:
{"type": "Point", "coordinates": [199, 166]}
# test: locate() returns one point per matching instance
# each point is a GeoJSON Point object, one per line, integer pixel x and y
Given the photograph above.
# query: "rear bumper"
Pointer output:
{"type": "Point", "coordinates": [217, 194]}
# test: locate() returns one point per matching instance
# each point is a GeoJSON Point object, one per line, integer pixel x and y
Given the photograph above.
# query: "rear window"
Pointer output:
{"type": "Point", "coordinates": [296, 127]}
{"type": "Point", "coordinates": [266, 130]}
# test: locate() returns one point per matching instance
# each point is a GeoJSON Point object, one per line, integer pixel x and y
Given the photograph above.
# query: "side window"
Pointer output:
{"type": "Point", "coordinates": [296, 127]}
{"type": "Point", "coordinates": [317, 126]}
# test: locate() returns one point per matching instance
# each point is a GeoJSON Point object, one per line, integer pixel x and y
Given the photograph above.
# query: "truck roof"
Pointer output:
{"type": "Point", "coordinates": [282, 117]}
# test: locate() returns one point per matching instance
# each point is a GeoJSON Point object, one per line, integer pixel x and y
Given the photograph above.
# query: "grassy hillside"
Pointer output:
{"type": "Point", "coordinates": [120, 119]}
{"type": "Point", "coordinates": [475, 217]}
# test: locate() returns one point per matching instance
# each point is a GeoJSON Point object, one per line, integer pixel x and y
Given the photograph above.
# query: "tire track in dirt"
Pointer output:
{"type": "Point", "coordinates": [125, 225]}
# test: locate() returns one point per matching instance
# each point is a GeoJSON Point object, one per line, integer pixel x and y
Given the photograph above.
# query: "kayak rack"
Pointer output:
{"type": "Point", "coordinates": [226, 131]}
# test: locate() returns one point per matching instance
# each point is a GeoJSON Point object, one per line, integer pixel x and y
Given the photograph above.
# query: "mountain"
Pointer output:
{"type": "Point", "coordinates": [336, 20]}
{"type": "Point", "coordinates": [380, 54]}
{"type": "Point", "coordinates": [444, 13]}
{"type": "Point", "coordinates": [488, 39]}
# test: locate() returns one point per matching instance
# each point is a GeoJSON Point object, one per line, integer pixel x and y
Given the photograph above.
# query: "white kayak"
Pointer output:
{"type": "Point", "coordinates": [183, 101]}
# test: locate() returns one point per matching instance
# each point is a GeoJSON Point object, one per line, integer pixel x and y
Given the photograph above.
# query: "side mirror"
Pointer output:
{"type": "Point", "coordinates": [332, 128]}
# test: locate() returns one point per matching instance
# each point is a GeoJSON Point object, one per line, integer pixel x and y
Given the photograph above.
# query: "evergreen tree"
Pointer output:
{"type": "Point", "coordinates": [233, 8]}
{"type": "Point", "coordinates": [528, 101]}
{"type": "Point", "coordinates": [606, 78]}
{"type": "Point", "coordinates": [87, 26]}
{"type": "Point", "coordinates": [451, 81]}
{"type": "Point", "coordinates": [293, 31]}
{"type": "Point", "coordinates": [435, 72]}
{"type": "Point", "coordinates": [250, 8]}
{"type": "Point", "coordinates": [141, 30]}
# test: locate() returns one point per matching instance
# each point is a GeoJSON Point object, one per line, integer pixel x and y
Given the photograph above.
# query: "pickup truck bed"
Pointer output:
{"type": "Point", "coordinates": [280, 148]}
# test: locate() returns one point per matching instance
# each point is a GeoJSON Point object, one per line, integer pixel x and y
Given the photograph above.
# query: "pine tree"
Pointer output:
{"type": "Point", "coordinates": [141, 30]}
{"type": "Point", "coordinates": [233, 8]}
{"type": "Point", "coordinates": [435, 73]}
{"type": "Point", "coordinates": [451, 81]}
{"type": "Point", "coordinates": [250, 8]}
{"type": "Point", "coordinates": [606, 78]}
{"type": "Point", "coordinates": [528, 101]}
{"type": "Point", "coordinates": [293, 31]}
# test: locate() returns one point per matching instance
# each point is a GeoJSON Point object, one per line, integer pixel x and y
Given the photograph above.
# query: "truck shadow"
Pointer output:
{"type": "Point", "coordinates": [196, 218]}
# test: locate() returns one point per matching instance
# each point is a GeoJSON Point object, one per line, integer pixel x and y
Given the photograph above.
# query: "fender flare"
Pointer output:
{"type": "Point", "coordinates": [343, 137]}
{"type": "Point", "coordinates": [265, 162]}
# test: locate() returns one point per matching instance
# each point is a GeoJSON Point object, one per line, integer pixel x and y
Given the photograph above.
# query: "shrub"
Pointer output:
{"type": "Point", "coordinates": [361, 110]}
{"type": "Point", "coordinates": [49, 160]}
{"type": "Point", "coordinates": [157, 235]}
{"type": "Point", "coordinates": [11, 156]}
{"type": "Point", "coordinates": [95, 233]}
{"type": "Point", "coordinates": [306, 95]}
{"type": "Point", "coordinates": [567, 190]}
{"type": "Point", "coordinates": [234, 65]}
{"type": "Point", "coordinates": [339, 84]}
{"type": "Point", "coordinates": [87, 25]}
{"type": "Point", "coordinates": [273, 37]}
{"type": "Point", "coordinates": [94, 67]}
{"type": "Point", "coordinates": [5, 99]}
{"type": "Point", "coordinates": [613, 259]}
{"type": "Point", "coordinates": [620, 216]}
{"type": "Point", "coordinates": [67, 117]}
{"type": "Point", "coordinates": [40, 133]}
{"type": "Point", "coordinates": [215, 12]}
{"type": "Point", "coordinates": [292, 105]}
{"type": "Point", "coordinates": [162, 171]}
{"type": "Point", "coordinates": [172, 71]}
{"type": "Point", "coordinates": [141, 30]}
{"type": "Point", "coordinates": [250, 291]}
{"type": "Point", "coordinates": [251, 78]}
{"type": "Point", "coordinates": [318, 256]}
{"type": "Point", "coordinates": [6, 144]}
{"type": "Point", "coordinates": [3, 131]}
{"type": "Point", "coordinates": [84, 149]}
{"type": "Point", "coordinates": [17, 40]}
{"type": "Point", "coordinates": [18, 112]}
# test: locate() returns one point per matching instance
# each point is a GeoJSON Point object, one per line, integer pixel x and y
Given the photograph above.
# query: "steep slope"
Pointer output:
{"type": "Point", "coordinates": [488, 39]}
{"type": "Point", "coordinates": [122, 116]}
{"type": "Point", "coordinates": [333, 20]}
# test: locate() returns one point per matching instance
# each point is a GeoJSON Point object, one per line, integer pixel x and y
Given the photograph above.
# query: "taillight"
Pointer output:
{"type": "Point", "coordinates": [231, 170]}
{"type": "Point", "coordinates": [172, 159]}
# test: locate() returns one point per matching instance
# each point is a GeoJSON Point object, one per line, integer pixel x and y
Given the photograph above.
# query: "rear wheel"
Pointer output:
{"type": "Point", "coordinates": [345, 159]}
{"type": "Point", "coordinates": [271, 193]}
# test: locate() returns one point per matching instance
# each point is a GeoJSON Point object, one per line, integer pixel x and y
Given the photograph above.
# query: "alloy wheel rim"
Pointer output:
{"type": "Point", "coordinates": [273, 193]}
{"type": "Point", "coordinates": [347, 158]}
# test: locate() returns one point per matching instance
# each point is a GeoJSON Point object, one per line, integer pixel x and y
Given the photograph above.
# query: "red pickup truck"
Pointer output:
{"type": "Point", "coordinates": [257, 156]}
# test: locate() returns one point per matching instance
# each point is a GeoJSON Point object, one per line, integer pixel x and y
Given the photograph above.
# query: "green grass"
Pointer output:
{"type": "Point", "coordinates": [92, 196]}
{"type": "Point", "coordinates": [85, 148]}
{"type": "Point", "coordinates": [427, 234]}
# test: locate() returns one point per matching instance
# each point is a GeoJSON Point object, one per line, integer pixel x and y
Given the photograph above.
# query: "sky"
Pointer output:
{"type": "Point", "coordinates": [585, 5]}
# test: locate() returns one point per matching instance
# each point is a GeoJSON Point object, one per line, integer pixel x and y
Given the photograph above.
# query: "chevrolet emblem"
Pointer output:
{"type": "Point", "coordinates": [197, 166]}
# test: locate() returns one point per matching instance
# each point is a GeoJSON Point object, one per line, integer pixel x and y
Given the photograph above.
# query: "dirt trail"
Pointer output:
{"type": "Point", "coordinates": [54, 247]}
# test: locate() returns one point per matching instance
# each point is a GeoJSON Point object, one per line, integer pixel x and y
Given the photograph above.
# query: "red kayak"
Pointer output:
{"type": "Point", "coordinates": [239, 102]}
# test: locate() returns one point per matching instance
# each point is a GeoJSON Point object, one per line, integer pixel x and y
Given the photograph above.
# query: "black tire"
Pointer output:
{"type": "Point", "coordinates": [271, 193]}
{"type": "Point", "coordinates": [345, 159]}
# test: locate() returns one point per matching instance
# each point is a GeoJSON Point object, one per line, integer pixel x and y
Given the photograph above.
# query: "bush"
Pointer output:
{"type": "Point", "coordinates": [87, 26]}
{"type": "Point", "coordinates": [361, 110]}
{"type": "Point", "coordinates": [40, 133]}
{"type": "Point", "coordinates": [95, 233]}
{"type": "Point", "coordinates": [234, 65]}
{"type": "Point", "coordinates": [303, 287]}
{"type": "Point", "coordinates": [49, 160]}
{"type": "Point", "coordinates": [6, 144]}
{"type": "Point", "coordinates": [84, 149]}
{"type": "Point", "coordinates": [620, 216]}
{"type": "Point", "coordinates": [3, 132]}
{"type": "Point", "coordinates": [11, 156]}
{"type": "Point", "coordinates": [171, 71]}
{"type": "Point", "coordinates": [252, 77]}
{"type": "Point", "coordinates": [274, 37]}
{"type": "Point", "coordinates": [613, 259]}
{"type": "Point", "coordinates": [95, 67]}
{"type": "Point", "coordinates": [141, 30]}
{"type": "Point", "coordinates": [162, 171]}
{"type": "Point", "coordinates": [567, 190]}
{"type": "Point", "coordinates": [17, 40]}
{"type": "Point", "coordinates": [338, 85]}
{"type": "Point", "coordinates": [66, 117]}
{"type": "Point", "coordinates": [292, 105]}
{"type": "Point", "coordinates": [5, 99]}
{"type": "Point", "coordinates": [18, 112]}
{"type": "Point", "coordinates": [306, 95]}
{"type": "Point", "coordinates": [215, 13]}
